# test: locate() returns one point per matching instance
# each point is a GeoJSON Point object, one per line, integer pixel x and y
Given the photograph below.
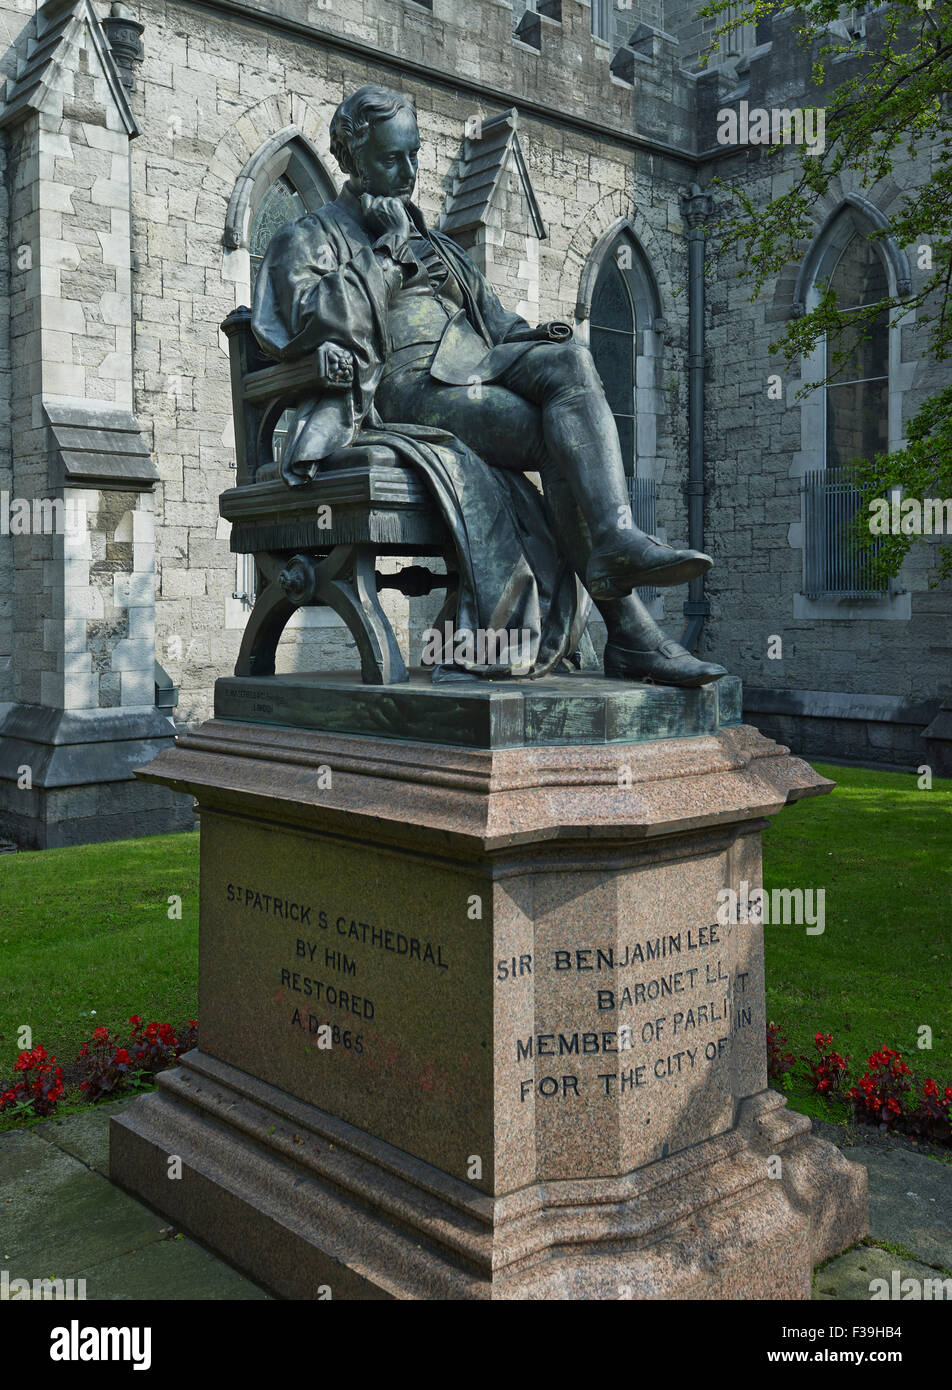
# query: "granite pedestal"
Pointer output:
{"type": "Point", "coordinates": [469, 1025]}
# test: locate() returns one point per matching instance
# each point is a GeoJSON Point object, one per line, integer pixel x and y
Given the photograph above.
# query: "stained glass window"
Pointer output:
{"type": "Point", "coordinates": [857, 402]}
{"type": "Point", "coordinates": [282, 203]}
{"type": "Point", "coordinates": [612, 343]}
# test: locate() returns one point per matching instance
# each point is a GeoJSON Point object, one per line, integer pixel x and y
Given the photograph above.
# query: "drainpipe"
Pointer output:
{"type": "Point", "coordinates": [695, 209]}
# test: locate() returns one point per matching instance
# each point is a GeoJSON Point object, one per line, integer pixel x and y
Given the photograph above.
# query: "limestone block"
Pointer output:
{"type": "Point", "coordinates": [182, 583]}
{"type": "Point", "coordinates": [115, 247]}
{"type": "Point", "coordinates": [51, 691]}
{"type": "Point", "coordinates": [110, 141]}
{"type": "Point", "coordinates": [114, 366]}
{"type": "Point", "coordinates": [57, 347]}
{"type": "Point", "coordinates": [72, 571]}
{"type": "Point", "coordinates": [115, 307]}
{"type": "Point", "coordinates": [54, 197]}
{"type": "Point", "coordinates": [133, 654]}
{"type": "Point", "coordinates": [141, 622]}
{"type": "Point", "coordinates": [76, 663]}
{"type": "Point", "coordinates": [63, 315]}
{"type": "Point", "coordinates": [58, 251]}
{"type": "Point", "coordinates": [64, 634]}
{"type": "Point", "coordinates": [80, 691]}
{"type": "Point", "coordinates": [137, 687]}
{"type": "Point", "coordinates": [133, 590]}
{"type": "Point", "coordinates": [143, 561]}
{"type": "Point", "coordinates": [61, 379]}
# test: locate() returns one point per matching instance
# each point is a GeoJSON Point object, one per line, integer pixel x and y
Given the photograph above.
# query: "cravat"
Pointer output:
{"type": "Point", "coordinates": [431, 262]}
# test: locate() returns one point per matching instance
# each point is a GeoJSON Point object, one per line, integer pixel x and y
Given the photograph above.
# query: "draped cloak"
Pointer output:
{"type": "Point", "coordinates": [322, 281]}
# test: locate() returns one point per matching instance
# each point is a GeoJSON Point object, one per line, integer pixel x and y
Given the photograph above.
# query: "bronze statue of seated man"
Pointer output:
{"type": "Point", "coordinates": [416, 332]}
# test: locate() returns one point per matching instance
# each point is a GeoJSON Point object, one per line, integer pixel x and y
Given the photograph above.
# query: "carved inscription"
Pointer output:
{"type": "Point", "coordinates": [660, 1008]}
{"type": "Point", "coordinates": [319, 972]}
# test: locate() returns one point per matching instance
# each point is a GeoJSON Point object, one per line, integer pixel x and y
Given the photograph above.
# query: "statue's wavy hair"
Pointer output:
{"type": "Point", "coordinates": [357, 115]}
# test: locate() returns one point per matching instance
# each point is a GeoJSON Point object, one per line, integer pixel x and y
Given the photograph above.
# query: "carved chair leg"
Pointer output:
{"type": "Point", "coordinates": [269, 617]}
{"type": "Point", "coordinates": [346, 582]}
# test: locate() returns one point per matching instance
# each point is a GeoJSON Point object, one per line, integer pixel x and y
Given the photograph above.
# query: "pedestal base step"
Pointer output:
{"type": "Point", "coordinates": [312, 1207]}
{"type": "Point", "coordinates": [554, 711]}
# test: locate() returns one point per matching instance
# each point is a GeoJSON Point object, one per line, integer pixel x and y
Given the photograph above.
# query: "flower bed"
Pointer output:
{"type": "Point", "coordinates": [104, 1069]}
{"type": "Point", "coordinates": [887, 1095]}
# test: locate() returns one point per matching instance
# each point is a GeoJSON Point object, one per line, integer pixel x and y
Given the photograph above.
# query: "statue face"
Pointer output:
{"type": "Point", "coordinates": [387, 162]}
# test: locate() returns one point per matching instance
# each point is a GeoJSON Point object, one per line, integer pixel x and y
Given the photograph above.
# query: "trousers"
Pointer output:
{"type": "Point", "coordinates": [547, 413]}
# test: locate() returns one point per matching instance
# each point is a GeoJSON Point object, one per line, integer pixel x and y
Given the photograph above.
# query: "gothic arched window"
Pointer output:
{"type": "Point", "coordinates": [619, 296]}
{"type": "Point", "coordinates": [848, 418]}
{"type": "Point", "coordinates": [612, 343]}
{"type": "Point", "coordinates": [282, 203]}
{"type": "Point", "coordinates": [857, 398]}
{"type": "Point", "coordinates": [282, 181]}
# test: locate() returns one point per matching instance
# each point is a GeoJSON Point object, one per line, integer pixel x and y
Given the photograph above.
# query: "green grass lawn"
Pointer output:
{"type": "Point", "coordinates": [882, 849]}
{"type": "Point", "coordinates": [86, 938]}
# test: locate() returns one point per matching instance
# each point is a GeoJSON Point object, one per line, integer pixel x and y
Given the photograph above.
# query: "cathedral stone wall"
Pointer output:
{"type": "Point", "coordinates": [120, 335]}
{"type": "Point", "coordinates": [758, 449]}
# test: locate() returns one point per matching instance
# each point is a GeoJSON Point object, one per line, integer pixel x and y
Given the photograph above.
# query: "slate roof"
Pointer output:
{"type": "Point", "coordinates": [98, 445]}
{"type": "Point", "coordinates": [484, 161]}
{"type": "Point", "coordinates": [59, 24]}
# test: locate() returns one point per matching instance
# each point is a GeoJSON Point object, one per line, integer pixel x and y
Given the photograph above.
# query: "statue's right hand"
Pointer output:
{"type": "Point", "coordinates": [386, 215]}
{"type": "Point", "coordinates": [335, 366]}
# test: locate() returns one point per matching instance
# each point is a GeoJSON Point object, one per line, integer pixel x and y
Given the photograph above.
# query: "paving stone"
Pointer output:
{"type": "Point", "coordinates": [60, 1217]}
{"type": "Point", "coordinates": [910, 1200]}
{"type": "Point", "coordinates": [850, 1275]}
{"type": "Point", "coordinates": [168, 1269]}
{"type": "Point", "coordinates": [86, 1135]}
{"type": "Point", "coordinates": [57, 1216]}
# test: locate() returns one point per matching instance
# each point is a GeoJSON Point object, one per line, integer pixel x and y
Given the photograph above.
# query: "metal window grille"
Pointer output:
{"type": "Point", "coordinates": [834, 564]}
{"type": "Point", "coordinates": [643, 495]}
{"type": "Point", "coordinates": [246, 576]}
{"type": "Point", "coordinates": [245, 580]}
{"type": "Point", "coordinates": [280, 438]}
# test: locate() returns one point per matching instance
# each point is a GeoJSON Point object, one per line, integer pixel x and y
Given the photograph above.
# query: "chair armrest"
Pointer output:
{"type": "Point", "coordinates": [315, 371]}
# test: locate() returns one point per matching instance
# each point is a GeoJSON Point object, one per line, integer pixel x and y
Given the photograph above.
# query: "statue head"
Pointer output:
{"type": "Point", "coordinates": [375, 140]}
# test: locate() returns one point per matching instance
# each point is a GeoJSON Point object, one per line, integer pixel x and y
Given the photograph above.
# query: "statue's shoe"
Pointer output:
{"type": "Point", "coordinates": [614, 570]}
{"type": "Point", "coordinates": [666, 664]}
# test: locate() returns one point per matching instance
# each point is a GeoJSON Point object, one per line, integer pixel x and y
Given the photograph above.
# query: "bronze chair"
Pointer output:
{"type": "Point", "coordinates": [317, 544]}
